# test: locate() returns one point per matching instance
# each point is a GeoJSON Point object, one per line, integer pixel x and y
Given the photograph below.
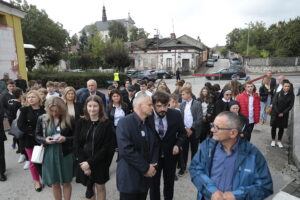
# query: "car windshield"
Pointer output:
{"type": "Point", "coordinates": [210, 60]}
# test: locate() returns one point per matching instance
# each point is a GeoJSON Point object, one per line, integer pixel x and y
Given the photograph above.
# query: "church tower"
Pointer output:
{"type": "Point", "coordinates": [104, 18]}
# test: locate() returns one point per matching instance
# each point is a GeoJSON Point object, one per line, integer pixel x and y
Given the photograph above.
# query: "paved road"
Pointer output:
{"type": "Point", "coordinates": [20, 186]}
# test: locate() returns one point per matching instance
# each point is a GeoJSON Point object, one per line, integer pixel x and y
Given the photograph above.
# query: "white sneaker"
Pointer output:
{"type": "Point", "coordinates": [279, 144]}
{"type": "Point", "coordinates": [273, 144]}
{"type": "Point", "coordinates": [21, 158]}
{"type": "Point", "coordinates": [26, 165]}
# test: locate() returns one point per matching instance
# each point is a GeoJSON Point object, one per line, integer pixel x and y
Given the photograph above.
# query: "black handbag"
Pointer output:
{"type": "Point", "coordinates": [15, 131]}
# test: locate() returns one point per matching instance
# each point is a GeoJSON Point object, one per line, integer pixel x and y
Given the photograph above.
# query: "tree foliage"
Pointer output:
{"type": "Point", "coordinates": [278, 40]}
{"type": "Point", "coordinates": [117, 31]}
{"type": "Point", "coordinates": [137, 33]}
{"type": "Point", "coordinates": [49, 37]}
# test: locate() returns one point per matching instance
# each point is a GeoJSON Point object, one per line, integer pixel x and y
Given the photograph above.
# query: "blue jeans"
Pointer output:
{"type": "Point", "coordinates": [263, 106]}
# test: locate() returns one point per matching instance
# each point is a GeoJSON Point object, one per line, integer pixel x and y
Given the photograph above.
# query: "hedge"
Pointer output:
{"type": "Point", "coordinates": [77, 79]}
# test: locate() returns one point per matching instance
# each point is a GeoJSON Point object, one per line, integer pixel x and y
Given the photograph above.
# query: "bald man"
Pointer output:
{"type": "Point", "coordinates": [92, 90]}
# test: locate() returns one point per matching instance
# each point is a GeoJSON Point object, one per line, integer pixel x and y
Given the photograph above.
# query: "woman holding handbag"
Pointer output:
{"type": "Point", "coordinates": [27, 123]}
{"type": "Point", "coordinates": [94, 143]}
{"type": "Point", "coordinates": [54, 131]}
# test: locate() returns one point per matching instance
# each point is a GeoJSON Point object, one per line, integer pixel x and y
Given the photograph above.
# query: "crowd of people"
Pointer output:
{"type": "Point", "coordinates": [150, 130]}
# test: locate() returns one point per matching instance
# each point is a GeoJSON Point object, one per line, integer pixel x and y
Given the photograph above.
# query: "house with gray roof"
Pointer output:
{"type": "Point", "coordinates": [185, 53]}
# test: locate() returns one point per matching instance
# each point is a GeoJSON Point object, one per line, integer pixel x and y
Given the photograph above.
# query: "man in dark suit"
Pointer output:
{"type": "Point", "coordinates": [2, 139]}
{"type": "Point", "coordinates": [171, 134]}
{"type": "Point", "coordinates": [138, 151]}
{"type": "Point", "coordinates": [92, 90]}
{"type": "Point", "coordinates": [191, 111]}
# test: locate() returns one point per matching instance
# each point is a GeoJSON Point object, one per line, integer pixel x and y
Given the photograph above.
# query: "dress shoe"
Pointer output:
{"type": "Point", "coordinates": [3, 177]}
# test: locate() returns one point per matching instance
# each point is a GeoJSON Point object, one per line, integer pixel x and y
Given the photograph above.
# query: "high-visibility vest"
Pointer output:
{"type": "Point", "coordinates": [116, 76]}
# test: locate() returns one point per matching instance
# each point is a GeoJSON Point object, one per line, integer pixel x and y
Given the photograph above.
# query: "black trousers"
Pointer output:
{"type": "Point", "coordinates": [168, 166]}
{"type": "Point", "coordinates": [140, 196]}
{"type": "Point", "coordinates": [2, 158]}
{"type": "Point", "coordinates": [248, 132]}
{"type": "Point", "coordinates": [185, 149]}
{"type": "Point", "coordinates": [280, 133]}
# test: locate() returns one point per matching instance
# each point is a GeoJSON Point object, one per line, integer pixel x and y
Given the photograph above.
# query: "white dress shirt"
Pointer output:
{"type": "Point", "coordinates": [188, 117]}
{"type": "Point", "coordinates": [251, 109]}
{"type": "Point", "coordinates": [279, 88]}
{"type": "Point", "coordinates": [119, 113]}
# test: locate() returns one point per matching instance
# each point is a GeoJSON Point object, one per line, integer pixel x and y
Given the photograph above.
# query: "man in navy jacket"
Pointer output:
{"type": "Point", "coordinates": [229, 167]}
{"type": "Point", "coordinates": [138, 151]}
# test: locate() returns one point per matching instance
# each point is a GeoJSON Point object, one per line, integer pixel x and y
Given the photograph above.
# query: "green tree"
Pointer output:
{"type": "Point", "coordinates": [83, 41]}
{"type": "Point", "coordinates": [117, 31]}
{"type": "Point", "coordinates": [74, 39]}
{"type": "Point", "coordinates": [49, 37]}
{"type": "Point", "coordinates": [116, 54]}
{"type": "Point", "coordinates": [224, 51]}
{"type": "Point", "coordinates": [98, 47]}
{"type": "Point", "coordinates": [137, 33]}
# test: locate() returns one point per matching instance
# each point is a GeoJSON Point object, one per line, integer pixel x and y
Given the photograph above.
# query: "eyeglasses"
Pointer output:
{"type": "Point", "coordinates": [216, 128]}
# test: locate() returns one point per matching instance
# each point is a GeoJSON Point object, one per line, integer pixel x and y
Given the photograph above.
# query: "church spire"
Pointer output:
{"type": "Point", "coordinates": [104, 18]}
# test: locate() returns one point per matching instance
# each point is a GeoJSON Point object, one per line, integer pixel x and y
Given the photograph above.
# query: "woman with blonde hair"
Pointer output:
{"type": "Point", "coordinates": [74, 108]}
{"type": "Point", "coordinates": [54, 130]}
{"type": "Point", "coordinates": [265, 93]}
{"type": "Point", "coordinates": [27, 122]}
{"type": "Point", "coordinates": [94, 146]}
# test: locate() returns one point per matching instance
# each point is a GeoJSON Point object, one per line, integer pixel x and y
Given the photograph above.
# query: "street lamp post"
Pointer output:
{"type": "Point", "coordinates": [248, 38]}
{"type": "Point", "coordinates": [157, 38]}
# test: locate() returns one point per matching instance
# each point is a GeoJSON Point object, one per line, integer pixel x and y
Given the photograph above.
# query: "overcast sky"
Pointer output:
{"type": "Point", "coordinates": [211, 20]}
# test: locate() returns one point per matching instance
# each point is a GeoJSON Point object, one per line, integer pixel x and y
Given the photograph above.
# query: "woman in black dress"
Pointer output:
{"type": "Point", "coordinates": [283, 102]}
{"type": "Point", "coordinates": [94, 140]}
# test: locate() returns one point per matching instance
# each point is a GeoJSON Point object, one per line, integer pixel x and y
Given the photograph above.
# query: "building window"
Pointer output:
{"type": "Point", "coordinates": [3, 20]}
{"type": "Point", "coordinates": [169, 62]}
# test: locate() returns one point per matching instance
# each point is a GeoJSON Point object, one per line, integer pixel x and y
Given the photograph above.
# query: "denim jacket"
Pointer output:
{"type": "Point", "coordinates": [251, 180]}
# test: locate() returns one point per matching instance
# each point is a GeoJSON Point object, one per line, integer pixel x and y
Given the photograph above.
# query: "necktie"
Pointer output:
{"type": "Point", "coordinates": [161, 128]}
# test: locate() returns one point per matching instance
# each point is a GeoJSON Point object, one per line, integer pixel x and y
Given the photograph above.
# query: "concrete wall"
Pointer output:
{"type": "Point", "coordinates": [281, 64]}
{"type": "Point", "coordinates": [296, 132]}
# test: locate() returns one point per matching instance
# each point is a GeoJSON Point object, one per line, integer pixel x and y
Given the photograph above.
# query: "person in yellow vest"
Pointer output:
{"type": "Point", "coordinates": [116, 76]}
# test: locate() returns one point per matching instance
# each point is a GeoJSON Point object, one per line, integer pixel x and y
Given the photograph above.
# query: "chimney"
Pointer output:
{"type": "Point", "coordinates": [173, 36]}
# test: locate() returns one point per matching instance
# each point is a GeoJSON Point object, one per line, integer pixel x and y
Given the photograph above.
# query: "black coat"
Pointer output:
{"type": "Point", "coordinates": [2, 132]}
{"type": "Point", "coordinates": [86, 94]}
{"type": "Point", "coordinates": [281, 104]}
{"type": "Point", "coordinates": [41, 130]}
{"type": "Point", "coordinates": [264, 92]}
{"type": "Point", "coordinates": [175, 135]}
{"type": "Point", "coordinates": [103, 146]}
{"type": "Point", "coordinates": [221, 106]}
{"type": "Point", "coordinates": [111, 112]}
{"type": "Point", "coordinates": [27, 123]}
{"type": "Point", "coordinates": [135, 154]}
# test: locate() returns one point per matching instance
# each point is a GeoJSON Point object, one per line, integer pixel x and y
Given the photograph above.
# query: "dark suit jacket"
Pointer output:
{"type": "Point", "coordinates": [87, 94]}
{"type": "Point", "coordinates": [135, 155]}
{"type": "Point", "coordinates": [175, 135]}
{"type": "Point", "coordinates": [196, 110]}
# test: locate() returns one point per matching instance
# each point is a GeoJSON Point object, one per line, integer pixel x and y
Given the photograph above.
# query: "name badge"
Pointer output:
{"type": "Point", "coordinates": [143, 133]}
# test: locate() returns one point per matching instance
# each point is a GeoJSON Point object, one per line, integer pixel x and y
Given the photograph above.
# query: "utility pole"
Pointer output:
{"type": "Point", "coordinates": [157, 38]}
{"type": "Point", "coordinates": [248, 38]}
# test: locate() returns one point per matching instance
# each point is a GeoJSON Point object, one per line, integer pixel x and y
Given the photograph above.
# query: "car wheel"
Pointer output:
{"type": "Point", "coordinates": [164, 76]}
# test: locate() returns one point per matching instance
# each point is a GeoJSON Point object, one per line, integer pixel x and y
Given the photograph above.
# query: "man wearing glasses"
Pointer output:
{"type": "Point", "coordinates": [228, 167]}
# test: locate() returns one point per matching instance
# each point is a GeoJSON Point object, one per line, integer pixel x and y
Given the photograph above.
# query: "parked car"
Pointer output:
{"type": "Point", "coordinates": [148, 75]}
{"type": "Point", "coordinates": [215, 57]}
{"type": "Point", "coordinates": [225, 74]}
{"type": "Point", "coordinates": [75, 70]}
{"type": "Point", "coordinates": [235, 61]}
{"type": "Point", "coordinates": [131, 71]}
{"type": "Point", "coordinates": [162, 73]}
{"type": "Point", "coordinates": [210, 63]}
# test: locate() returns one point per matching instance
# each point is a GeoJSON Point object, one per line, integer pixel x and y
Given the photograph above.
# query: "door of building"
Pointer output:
{"type": "Point", "coordinates": [185, 65]}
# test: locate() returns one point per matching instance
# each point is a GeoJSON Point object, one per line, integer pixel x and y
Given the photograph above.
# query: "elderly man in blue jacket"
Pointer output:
{"type": "Point", "coordinates": [227, 167]}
